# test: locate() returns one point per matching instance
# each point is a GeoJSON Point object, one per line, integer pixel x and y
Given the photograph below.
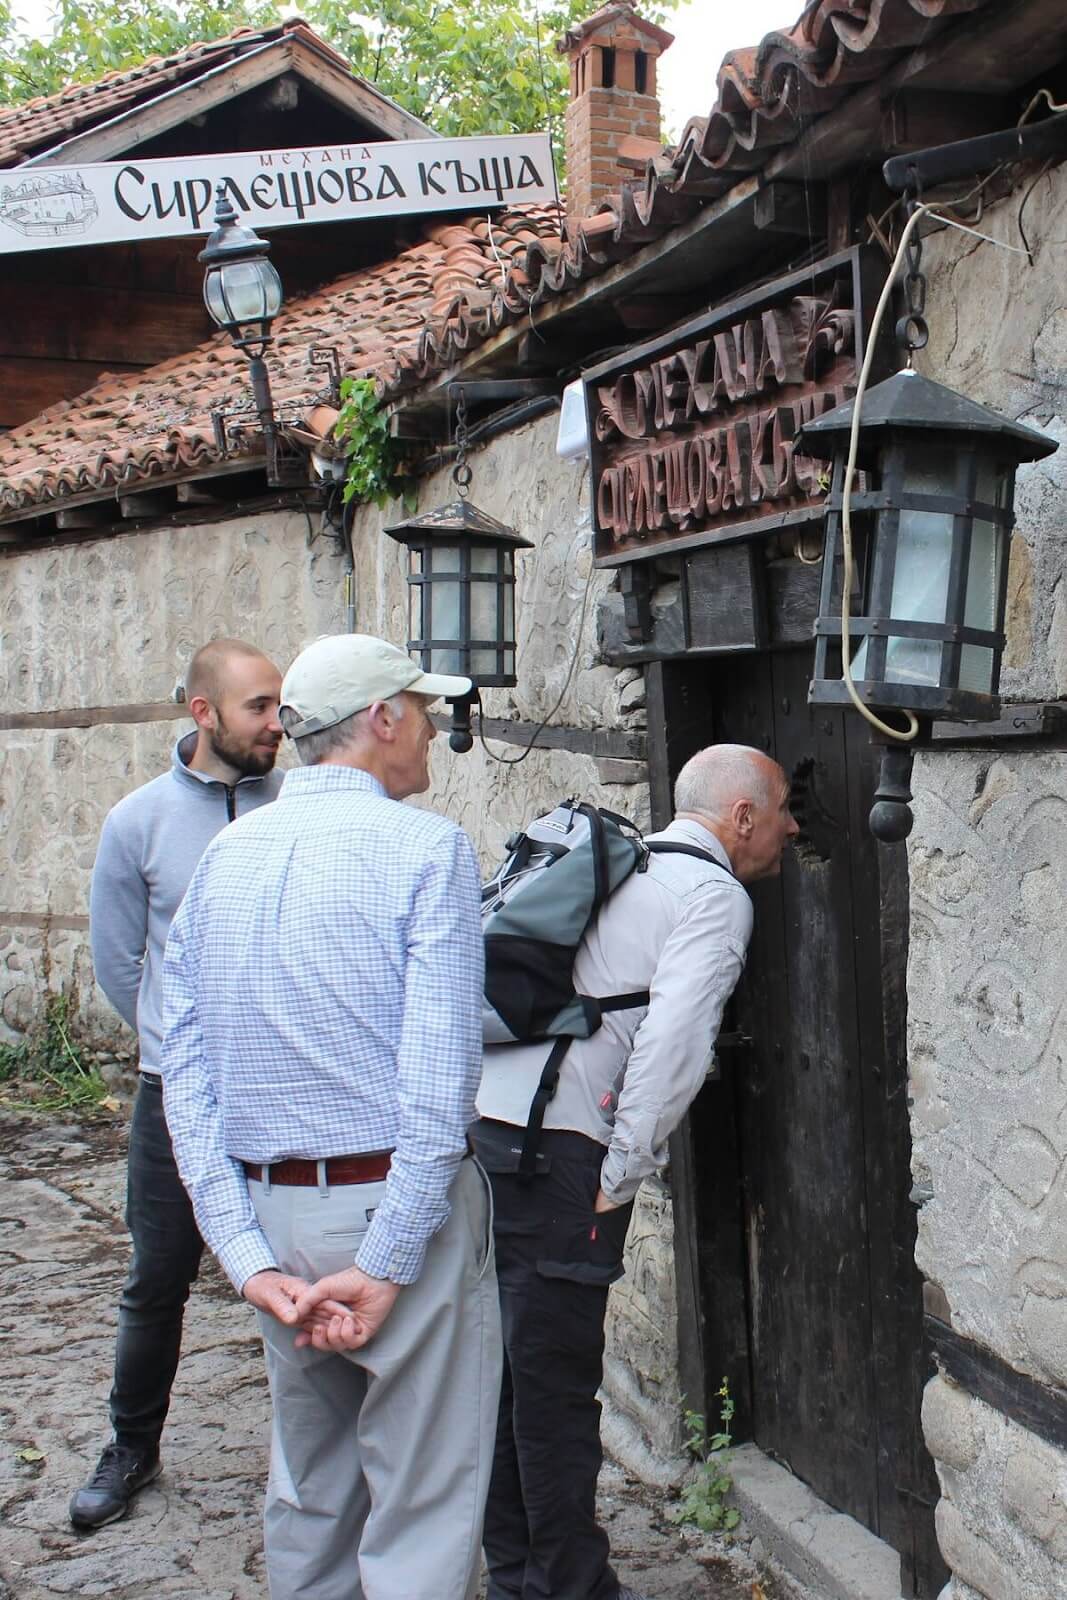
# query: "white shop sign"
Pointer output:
{"type": "Point", "coordinates": [45, 207]}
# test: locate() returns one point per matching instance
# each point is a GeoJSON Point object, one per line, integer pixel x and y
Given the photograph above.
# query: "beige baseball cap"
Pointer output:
{"type": "Point", "coordinates": [346, 672]}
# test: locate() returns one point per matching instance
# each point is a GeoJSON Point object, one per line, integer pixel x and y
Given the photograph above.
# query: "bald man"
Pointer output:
{"type": "Point", "coordinates": [150, 847]}
{"type": "Point", "coordinates": [680, 931]}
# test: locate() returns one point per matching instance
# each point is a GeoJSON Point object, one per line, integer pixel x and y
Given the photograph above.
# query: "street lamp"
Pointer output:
{"type": "Point", "coordinates": [931, 529]}
{"type": "Point", "coordinates": [461, 592]}
{"type": "Point", "coordinates": [243, 294]}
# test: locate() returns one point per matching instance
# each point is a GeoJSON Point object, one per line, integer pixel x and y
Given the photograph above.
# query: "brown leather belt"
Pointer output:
{"type": "Point", "coordinates": [371, 1168]}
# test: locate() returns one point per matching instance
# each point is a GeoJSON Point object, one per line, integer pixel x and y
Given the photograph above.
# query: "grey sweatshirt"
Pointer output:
{"type": "Point", "coordinates": [150, 847]}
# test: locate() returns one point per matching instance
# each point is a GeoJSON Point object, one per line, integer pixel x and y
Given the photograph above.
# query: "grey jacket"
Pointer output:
{"type": "Point", "coordinates": [680, 930]}
{"type": "Point", "coordinates": [149, 849]}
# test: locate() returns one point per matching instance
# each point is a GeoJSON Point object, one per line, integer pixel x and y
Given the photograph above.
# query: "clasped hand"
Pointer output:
{"type": "Point", "coordinates": [340, 1312]}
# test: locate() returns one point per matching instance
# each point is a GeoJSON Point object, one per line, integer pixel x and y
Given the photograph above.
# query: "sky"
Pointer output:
{"type": "Point", "coordinates": [704, 30]}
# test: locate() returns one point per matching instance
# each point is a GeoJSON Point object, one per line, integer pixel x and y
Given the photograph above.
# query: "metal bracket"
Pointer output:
{"type": "Point", "coordinates": [328, 356]}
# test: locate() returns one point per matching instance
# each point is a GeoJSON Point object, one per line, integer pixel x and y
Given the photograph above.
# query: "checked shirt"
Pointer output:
{"type": "Point", "coordinates": [322, 992]}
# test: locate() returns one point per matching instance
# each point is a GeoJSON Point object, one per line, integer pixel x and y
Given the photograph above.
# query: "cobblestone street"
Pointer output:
{"type": "Point", "coordinates": [195, 1534]}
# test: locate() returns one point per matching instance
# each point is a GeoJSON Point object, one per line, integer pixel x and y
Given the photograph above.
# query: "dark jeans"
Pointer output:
{"type": "Point", "coordinates": [554, 1259]}
{"type": "Point", "coordinates": [166, 1256]}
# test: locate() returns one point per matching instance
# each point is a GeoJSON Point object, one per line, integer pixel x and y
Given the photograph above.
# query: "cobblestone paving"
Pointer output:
{"type": "Point", "coordinates": [195, 1534]}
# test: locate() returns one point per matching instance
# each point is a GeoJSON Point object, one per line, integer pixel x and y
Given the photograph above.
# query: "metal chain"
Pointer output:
{"type": "Point", "coordinates": [461, 472]}
{"type": "Point", "coordinates": [912, 330]}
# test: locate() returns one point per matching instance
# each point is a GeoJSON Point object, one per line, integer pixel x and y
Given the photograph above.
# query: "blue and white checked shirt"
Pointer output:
{"type": "Point", "coordinates": [322, 996]}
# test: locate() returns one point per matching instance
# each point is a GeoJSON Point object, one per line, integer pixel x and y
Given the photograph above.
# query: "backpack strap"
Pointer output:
{"type": "Point", "coordinates": [549, 1081]}
{"type": "Point", "coordinates": [667, 847]}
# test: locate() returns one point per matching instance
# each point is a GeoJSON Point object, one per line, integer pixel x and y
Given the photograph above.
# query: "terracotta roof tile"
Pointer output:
{"type": "Point", "coordinates": [38, 124]}
{"type": "Point", "coordinates": [132, 427]}
{"type": "Point", "coordinates": [766, 96]}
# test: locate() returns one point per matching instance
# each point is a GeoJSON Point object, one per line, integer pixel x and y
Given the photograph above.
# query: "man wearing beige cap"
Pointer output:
{"type": "Point", "coordinates": [322, 1000]}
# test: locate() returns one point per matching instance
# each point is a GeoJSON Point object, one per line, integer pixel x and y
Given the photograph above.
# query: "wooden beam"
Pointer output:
{"type": "Point", "coordinates": [605, 743]}
{"type": "Point", "coordinates": [94, 716]}
{"type": "Point", "coordinates": [145, 503]}
{"type": "Point", "coordinates": [68, 517]}
{"type": "Point", "coordinates": [793, 208]}
{"type": "Point", "coordinates": [194, 494]}
{"type": "Point", "coordinates": [1039, 1407]}
{"type": "Point", "coordinates": [46, 920]}
{"type": "Point", "coordinates": [354, 95]}
{"type": "Point", "coordinates": [123, 133]}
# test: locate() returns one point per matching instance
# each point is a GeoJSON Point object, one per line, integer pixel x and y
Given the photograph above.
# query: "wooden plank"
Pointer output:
{"type": "Point", "coordinates": [607, 743]}
{"type": "Point", "coordinates": [104, 325]}
{"type": "Point", "coordinates": [725, 598]}
{"type": "Point", "coordinates": [68, 517]}
{"type": "Point", "coordinates": [28, 386]}
{"type": "Point", "coordinates": [94, 716]}
{"type": "Point", "coordinates": [145, 503]}
{"type": "Point", "coordinates": [122, 134]}
{"type": "Point", "coordinates": [46, 920]}
{"type": "Point", "coordinates": [355, 96]}
{"type": "Point", "coordinates": [1039, 1407]}
{"type": "Point", "coordinates": [678, 726]}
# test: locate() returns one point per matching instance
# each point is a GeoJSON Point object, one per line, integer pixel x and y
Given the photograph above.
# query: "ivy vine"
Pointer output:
{"type": "Point", "coordinates": [375, 467]}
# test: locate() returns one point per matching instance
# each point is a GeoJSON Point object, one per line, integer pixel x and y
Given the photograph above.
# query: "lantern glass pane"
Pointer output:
{"type": "Point", "coordinates": [509, 613]}
{"type": "Point", "coordinates": [415, 599]}
{"type": "Point", "coordinates": [509, 663]}
{"type": "Point", "coordinates": [483, 558]}
{"type": "Point", "coordinates": [445, 610]}
{"type": "Point", "coordinates": [445, 558]}
{"type": "Point", "coordinates": [988, 542]}
{"type": "Point", "coordinates": [447, 661]}
{"type": "Point", "coordinates": [213, 299]}
{"type": "Point", "coordinates": [244, 289]}
{"type": "Point", "coordinates": [483, 611]}
{"type": "Point", "coordinates": [483, 663]}
{"type": "Point", "coordinates": [920, 572]}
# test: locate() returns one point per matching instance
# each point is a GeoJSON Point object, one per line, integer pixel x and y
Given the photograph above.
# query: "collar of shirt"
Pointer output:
{"type": "Point", "coordinates": [688, 831]}
{"type": "Point", "coordinates": [329, 778]}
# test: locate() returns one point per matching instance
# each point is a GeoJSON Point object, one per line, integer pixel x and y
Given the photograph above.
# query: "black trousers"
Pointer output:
{"type": "Point", "coordinates": [555, 1259]}
{"type": "Point", "coordinates": [166, 1257]}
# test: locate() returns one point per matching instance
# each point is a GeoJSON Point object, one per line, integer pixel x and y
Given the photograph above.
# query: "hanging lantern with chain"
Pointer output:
{"type": "Point", "coordinates": [461, 589]}
{"type": "Point", "coordinates": [915, 563]}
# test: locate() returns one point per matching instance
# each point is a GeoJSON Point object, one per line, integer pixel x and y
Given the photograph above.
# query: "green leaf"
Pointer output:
{"type": "Point", "coordinates": [30, 1454]}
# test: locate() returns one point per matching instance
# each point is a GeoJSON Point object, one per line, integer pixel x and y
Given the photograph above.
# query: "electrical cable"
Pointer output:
{"type": "Point", "coordinates": [513, 761]}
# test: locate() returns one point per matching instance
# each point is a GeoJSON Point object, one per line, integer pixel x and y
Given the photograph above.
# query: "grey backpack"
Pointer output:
{"type": "Point", "coordinates": [536, 909]}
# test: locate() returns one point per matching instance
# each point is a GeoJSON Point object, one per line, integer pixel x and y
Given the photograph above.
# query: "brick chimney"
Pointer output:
{"type": "Point", "coordinates": [613, 111]}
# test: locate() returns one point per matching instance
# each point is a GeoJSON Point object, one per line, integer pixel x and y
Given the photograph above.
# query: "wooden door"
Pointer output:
{"type": "Point", "coordinates": [807, 1294]}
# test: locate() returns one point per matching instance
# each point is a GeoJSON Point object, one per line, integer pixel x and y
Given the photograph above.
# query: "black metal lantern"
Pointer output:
{"type": "Point", "coordinates": [242, 289]}
{"type": "Point", "coordinates": [243, 294]}
{"type": "Point", "coordinates": [931, 527]}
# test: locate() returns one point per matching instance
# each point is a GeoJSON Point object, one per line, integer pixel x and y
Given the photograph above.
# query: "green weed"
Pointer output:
{"type": "Point", "coordinates": [703, 1504]}
{"type": "Point", "coordinates": [44, 1070]}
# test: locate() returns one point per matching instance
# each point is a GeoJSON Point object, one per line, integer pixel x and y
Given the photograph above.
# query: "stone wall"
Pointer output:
{"type": "Point", "coordinates": [113, 622]}
{"type": "Point", "coordinates": [987, 1032]}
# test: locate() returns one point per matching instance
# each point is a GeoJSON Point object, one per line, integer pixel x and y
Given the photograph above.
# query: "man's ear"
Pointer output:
{"type": "Point", "coordinates": [202, 712]}
{"type": "Point", "coordinates": [741, 813]}
{"type": "Point", "coordinates": [382, 720]}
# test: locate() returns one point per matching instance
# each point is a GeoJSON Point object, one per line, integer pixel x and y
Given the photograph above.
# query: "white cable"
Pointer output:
{"type": "Point", "coordinates": [846, 496]}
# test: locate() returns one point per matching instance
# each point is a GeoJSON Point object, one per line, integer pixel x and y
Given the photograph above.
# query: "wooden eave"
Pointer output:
{"type": "Point", "coordinates": [260, 65]}
{"type": "Point", "coordinates": [982, 59]}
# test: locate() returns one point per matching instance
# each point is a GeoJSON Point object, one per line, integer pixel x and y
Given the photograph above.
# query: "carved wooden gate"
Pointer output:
{"type": "Point", "coordinates": [792, 1179]}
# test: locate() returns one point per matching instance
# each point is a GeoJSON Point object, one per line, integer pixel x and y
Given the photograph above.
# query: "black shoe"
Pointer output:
{"type": "Point", "coordinates": [121, 1471]}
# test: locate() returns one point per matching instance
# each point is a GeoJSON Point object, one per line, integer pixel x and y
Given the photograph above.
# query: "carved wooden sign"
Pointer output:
{"type": "Point", "coordinates": [692, 434]}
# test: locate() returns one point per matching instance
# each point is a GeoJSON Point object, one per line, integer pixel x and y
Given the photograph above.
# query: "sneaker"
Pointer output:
{"type": "Point", "coordinates": [121, 1471]}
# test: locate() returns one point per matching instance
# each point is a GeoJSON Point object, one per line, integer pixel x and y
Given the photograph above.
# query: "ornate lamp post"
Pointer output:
{"type": "Point", "coordinates": [461, 591]}
{"type": "Point", "coordinates": [243, 294]}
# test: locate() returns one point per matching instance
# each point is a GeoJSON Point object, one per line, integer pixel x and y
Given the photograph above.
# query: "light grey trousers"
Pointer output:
{"type": "Point", "coordinates": [380, 1459]}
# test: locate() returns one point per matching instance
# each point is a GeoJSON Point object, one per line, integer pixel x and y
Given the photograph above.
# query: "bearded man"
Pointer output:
{"type": "Point", "coordinates": [150, 847]}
